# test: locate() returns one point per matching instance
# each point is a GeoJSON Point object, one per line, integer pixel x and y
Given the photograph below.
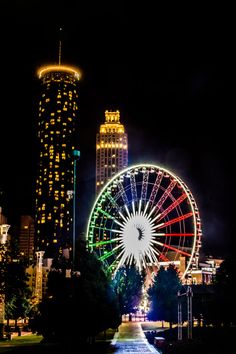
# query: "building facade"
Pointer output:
{"type": "Point", "coordinates": [26, 237]}
{"type": "Point", "coordinates": [57, 130]}
{"type": "Point", "coordinates": [111, 149]}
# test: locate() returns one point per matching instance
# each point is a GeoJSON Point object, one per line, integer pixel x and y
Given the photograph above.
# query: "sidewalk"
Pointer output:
{"type": "Point", "coordinates": [131, 339]}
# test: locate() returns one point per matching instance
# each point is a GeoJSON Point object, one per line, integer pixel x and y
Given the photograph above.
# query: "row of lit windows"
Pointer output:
{"type": "Point", "coordinates": [66, 103]}
{"type": "Point", "coordinates": [45, 172]}
{"type": "Point", "coordinates": [52, 122]}
{"type": "Point", "coordinates": [39, 189]}
{"type": "Point", "coordinates": [110, 138]}
{"type": "Point", "coordinates": [113, 146]}
{"type": "Point", "coordinates": [51, 139]}
{"type": "Point", "coordinates": [52, 146]}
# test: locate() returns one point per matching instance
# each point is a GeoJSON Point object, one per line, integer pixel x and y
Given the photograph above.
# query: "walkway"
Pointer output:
{"type": "Point", "coordinates": [131, 339]}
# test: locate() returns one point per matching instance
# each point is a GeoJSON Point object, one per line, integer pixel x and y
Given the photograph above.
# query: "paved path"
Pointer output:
{"type": "Point", "coordinates": [131, 339]}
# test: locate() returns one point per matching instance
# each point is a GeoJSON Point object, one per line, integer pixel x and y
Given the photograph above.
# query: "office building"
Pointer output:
{"type": "Point", "coordinates": [57, 131]}
{"type": "Point", "coordinates": [26, 237]}
{"type": "Point", "coordinates": [111, 149]}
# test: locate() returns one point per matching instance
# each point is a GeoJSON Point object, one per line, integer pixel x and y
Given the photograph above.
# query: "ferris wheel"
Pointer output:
{"type": "Point", "coordinates": [147, 215]}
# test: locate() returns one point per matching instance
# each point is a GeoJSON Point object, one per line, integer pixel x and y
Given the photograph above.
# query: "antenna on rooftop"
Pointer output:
{"type": "Point", "coordinates": [60, 46]}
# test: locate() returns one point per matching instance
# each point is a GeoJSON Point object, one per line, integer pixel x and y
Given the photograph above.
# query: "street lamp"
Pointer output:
{"type": "Point", "coordinates": [189, 295]}
{"type": "Point", "coordinates": [76, 156]}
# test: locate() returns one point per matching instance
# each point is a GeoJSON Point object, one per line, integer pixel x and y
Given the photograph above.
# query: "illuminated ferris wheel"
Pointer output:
{"type": "Point", "coordinates": [147, 215]}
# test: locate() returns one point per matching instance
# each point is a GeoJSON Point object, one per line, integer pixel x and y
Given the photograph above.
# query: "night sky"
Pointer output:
{"type": "Point", "coordinates": [167, 69]}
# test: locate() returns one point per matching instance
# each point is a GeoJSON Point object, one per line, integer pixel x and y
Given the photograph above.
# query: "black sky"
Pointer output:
{"type": "Point", "coordinates": [167, 69]}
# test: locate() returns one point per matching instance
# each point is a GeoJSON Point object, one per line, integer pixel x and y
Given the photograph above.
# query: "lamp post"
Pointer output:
{"type": "Point", "coordinates": [189, 295]}
{"type": "Point", "coordinates": [76, 156]}
{"type": "Point", "coordinates": [180, 331]}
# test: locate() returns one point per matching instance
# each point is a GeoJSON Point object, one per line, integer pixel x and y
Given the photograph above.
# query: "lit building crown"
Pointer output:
{"type": "Point", "coordinates": [58, 68]}
{"type": "Point", "coordinates": [111, 148]}
{"type": "Point", "coordinates": [112, 123]}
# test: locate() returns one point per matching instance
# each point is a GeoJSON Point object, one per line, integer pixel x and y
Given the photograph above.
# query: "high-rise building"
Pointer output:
{"type": "Point", "coordinates": [26, 237]}
{"type": "Point", "coordinates": [111, 149]}
{"type": "Point", "coordinates": [57, 131]}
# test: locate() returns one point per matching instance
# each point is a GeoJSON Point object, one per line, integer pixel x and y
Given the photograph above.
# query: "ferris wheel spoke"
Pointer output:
{"type": "Point", "coordinates": [173, 221]}
{"type": "Point", "coordinates": [130, 259]}
{"type": "Point", "coordinates": [121, 245]}
{"type": "Point", "coordinates": [113, 202]}
{"type": "Point", "coordinates": [151, 255]}
{"type": "Point", "coordinates": [133, 186]}
{"type": "Point", "coordinates": [127, 211]}
{"type": "Point", "coordinates": [106, 229]}
{"type": "Point", "coordinates": [120, 213]}
{"type": "Point", "coordinates": [133, 207]}
{"type": "Point", "coordinates": [156, 187]}
{"type": "Point", "coordinates": [139, 264]}
{"type": "Point", "coordinates": [173, 248]}
{"type": "Point", "coordinates": [146, 206]}
{"type": "Point", "coordinates": [107, 255]}
{"type": "Point", "coordinates": [144, 186]}
{"type": "Point", "coordinates": [139, 206]}
{"type": "Point", "coordinates": [112, 265]}
{"type": "Point", "coordinates": [122, 193]}
{"type": "Point", "coordinates": [172, 206]}
{"type": "Point", "coordinates": [122, 260]}
{"type": "Point", "coordinates": [118, 223]}
{"type": "Point", "coordinates": [163, 198]}
{"type": "Point", "coordinates": [158, 234]}
{"type": "Point", "coordinates": [180, 234]}
{"type": "Point", "coordinates": [105, 213]}
{"type": "Point", "coordinates": [100, 243]}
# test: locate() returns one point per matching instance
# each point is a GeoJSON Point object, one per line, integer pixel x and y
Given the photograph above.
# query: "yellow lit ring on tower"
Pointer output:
{"type": "Point", "coordinates": [46, 69]}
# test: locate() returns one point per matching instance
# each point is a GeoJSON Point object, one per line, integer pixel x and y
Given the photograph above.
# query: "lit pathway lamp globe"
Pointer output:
{"type": "Point", "coordinates": [76, 156]}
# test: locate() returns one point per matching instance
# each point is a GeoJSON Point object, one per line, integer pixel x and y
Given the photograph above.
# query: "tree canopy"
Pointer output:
{"type": "Point", "coordinates": [78, 306]}
{"type": "Point", "coordinates": [163, 295]}
{"type": "Point", "coordinates": [127, 284]}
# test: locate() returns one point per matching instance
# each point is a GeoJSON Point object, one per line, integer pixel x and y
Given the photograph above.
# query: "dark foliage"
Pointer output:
{"type": "Point", "coordinates": [79, 306]}
{"type": "Point", "coordinates": [163, 295]}
{"type": "Point", "coordinates": [127, 284]}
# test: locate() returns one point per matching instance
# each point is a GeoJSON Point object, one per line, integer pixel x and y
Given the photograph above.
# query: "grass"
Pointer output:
{"type": "Point", "coordinates": [31, 344]}
{"type": "Point", "coordinates": [29, 340]}
{"type": "Point", "coordinates": [106, 335]}
{"type": "Point", "coordinates": [153, 326]}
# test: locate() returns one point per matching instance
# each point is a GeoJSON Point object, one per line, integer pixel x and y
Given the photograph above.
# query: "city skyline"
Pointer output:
{"type": "Point", "coordinates": [168, 76]}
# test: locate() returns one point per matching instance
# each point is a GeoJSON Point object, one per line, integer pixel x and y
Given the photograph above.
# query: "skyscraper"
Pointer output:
{"type": "Point", "coordinates": [111, 149]}
{"type": "Point", "coordinates": [57, 130]}
{"type": "Point", "coordinates": [26, 237]}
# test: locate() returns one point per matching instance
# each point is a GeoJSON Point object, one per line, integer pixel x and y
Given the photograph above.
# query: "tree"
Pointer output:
{"type": "Point", "coordinates": [17, 292]}
{"type": "Point", "coordinates": [127, 284]}
{"type": "Point", "coordinates": [223, 305]}
{"type": "Point", "coordinates": [79, 306]}
{"type": "Point", "coordinates": [13, 285]}
{"type": "Point", "coordinates": [163, 295]}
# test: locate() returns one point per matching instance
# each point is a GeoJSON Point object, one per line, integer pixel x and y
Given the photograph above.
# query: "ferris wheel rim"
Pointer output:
{"type": "Point", "coordinates": [184, 187]}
